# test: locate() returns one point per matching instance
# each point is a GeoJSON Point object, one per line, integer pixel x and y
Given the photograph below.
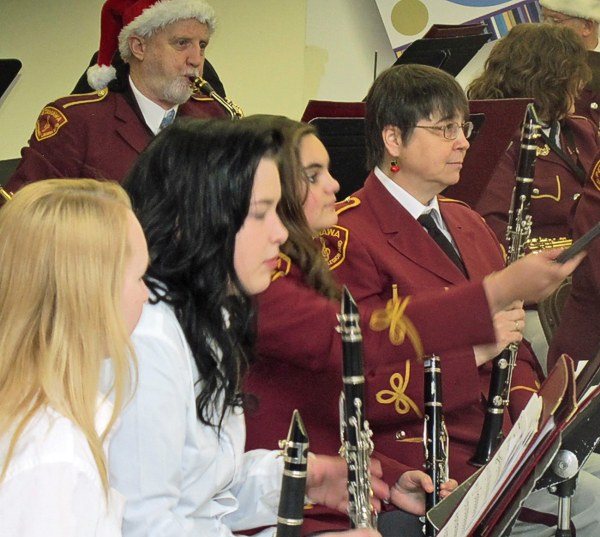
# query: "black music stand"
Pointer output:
{"type": "Point", "coordinates": [503, 118]}
{"type": "Point", "coordinates": [341, 129]}
{"type": "Point", "coordinates": [9, 69]}
{"type": "Point", "coordinates": [498, 511]}
{"type": "Point", "coordinates": [455, 30]}
{"type": "Point", "coordinates": [450, 54]}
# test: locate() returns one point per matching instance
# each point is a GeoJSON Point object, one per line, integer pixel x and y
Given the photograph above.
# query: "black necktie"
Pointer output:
{"type": "Point", "coordinates": [427, 221]}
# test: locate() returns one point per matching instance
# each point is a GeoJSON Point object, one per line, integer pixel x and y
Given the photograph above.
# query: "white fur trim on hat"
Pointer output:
{"type": "Point", "coordinates": [98, 76]}
{"type": "Point", "coordinates": [161, 14]}
{"type": "Point", "coordinates": [582, 9]}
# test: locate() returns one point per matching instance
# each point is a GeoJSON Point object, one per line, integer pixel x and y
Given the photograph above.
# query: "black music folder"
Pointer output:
{"type": "Point", "coordinates": [341, 128]}
{"type": "Point", "coordinates": [9, 69]}
{"type": "Point", "coordinates": [455, 30]}
{"type": "Point", "coordinates": [450, 54]}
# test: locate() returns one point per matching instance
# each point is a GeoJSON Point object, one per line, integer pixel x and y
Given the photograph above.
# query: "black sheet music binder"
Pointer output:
{"type": "Point", "coordinates": [8, 72]}
{"type": "Point", "coordinates": [450, 54]}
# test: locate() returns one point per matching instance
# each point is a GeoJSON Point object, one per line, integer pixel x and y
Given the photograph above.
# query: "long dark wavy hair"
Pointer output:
{"type": "Point", "coordinates": [543, 61]}
{"type": "Point", "coordinates": [403, 95]}
{"type": "Point", "coordinates": [191, 191]}
{"type": "Point", "coordinates": [300, 246]}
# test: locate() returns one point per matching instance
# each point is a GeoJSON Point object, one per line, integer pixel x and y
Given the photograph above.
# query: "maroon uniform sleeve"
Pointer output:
{"type": "Point", "coordinates": [56, 149]}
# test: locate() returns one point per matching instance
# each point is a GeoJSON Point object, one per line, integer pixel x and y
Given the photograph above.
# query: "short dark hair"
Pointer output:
{"type": "Point", "coordinates": [403, 95]}
{"type": "Point", "coordinates": [191, 190]}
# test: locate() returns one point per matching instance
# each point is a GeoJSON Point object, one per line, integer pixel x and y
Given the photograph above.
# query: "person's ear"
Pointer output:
{"type": "Point", "coordinates": [589, 27]}
{"type": "Point", "coordinates": [138, 46]}
{"type": "Point", "coordinates": [392, 140]}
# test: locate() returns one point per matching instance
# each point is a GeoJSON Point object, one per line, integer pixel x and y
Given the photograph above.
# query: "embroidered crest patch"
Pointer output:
{"type": "Point", "coordinates": [334, 241]}
{"type": "Point", "coordinates": [49, 123]}
{"type": "Point", "coordinates": [595, 175]}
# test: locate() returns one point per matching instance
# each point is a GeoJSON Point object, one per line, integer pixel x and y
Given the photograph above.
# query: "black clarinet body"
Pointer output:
{"type": "Point", "coordinates": [435, 435]}
{"type": "Point", "coordinates": [290, 515]}
{"type": "Point", "coordinates": [357, 444]}
{"type": "Point", "coordinates": [517, 235]}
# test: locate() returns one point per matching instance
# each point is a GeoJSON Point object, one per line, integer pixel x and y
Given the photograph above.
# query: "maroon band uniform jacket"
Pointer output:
{"type": "Point", "coordinates": [579, 332]}
{"type": "Point", "coordinates": [386, 246]}
{"type": "Point", "coordinates": [555, 187]}
{"type": "Point", "coordinates": [300, 353]}
{"type": "Point", "coordinates": [93, 135]}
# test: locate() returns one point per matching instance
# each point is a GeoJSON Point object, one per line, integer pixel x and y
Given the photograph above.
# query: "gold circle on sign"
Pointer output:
{"type": "Point", "coordinates": [409, 17]}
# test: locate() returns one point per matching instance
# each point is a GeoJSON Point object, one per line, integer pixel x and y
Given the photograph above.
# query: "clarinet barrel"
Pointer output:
{"type": "Point", "coordinates": [357, 444]}
{"type": "Point", "coordinates": [290, 515]}
{"type": "Point", "coordinates": [517, 235]}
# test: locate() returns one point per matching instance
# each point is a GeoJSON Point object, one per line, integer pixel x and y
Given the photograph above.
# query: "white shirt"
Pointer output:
{"type": "Point", "coordinates": [152, 112]}
{"type": "Point", "coordinates": [181, 479]}
{"type": "Point", "coordinates": [53, 488]}
{"type": "Point", "coordinates": [414, 207]}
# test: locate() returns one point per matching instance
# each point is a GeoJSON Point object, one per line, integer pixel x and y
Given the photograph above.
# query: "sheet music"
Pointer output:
{"type": "Point", "coordinates": [509, 457]}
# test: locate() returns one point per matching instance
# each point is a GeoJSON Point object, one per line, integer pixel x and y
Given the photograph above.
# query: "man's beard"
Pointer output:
{"type": "Point", "coordinates": [177, 91]}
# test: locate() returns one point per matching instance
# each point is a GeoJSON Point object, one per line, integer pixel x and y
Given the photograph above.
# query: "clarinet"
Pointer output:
{"type": "Point", "coordinates": [435, 436]}
{"type": "Point", "coordinates": [356, 436]}
{"type": "Point", "coordinates": [290, 515]}
{"type": "Point", "coordinates": [517, 235]}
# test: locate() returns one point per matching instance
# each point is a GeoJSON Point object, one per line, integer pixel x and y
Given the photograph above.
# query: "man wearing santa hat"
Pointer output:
{"type": "Point", "coordinates": [162, 44]}
{"type": "Point", "coordinates": [583, 17]}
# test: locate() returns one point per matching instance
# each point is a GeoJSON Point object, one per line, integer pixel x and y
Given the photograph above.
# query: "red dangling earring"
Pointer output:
{"type": "Point", "coordinates": [394, 166]}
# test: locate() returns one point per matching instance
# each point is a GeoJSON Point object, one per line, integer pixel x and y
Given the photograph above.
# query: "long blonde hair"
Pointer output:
{"type": "Point", "coordinates": [63, 250]}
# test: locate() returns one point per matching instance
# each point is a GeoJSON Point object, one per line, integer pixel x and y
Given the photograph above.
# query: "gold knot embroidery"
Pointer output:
{"type": "Point", "coordinates": [400, 325]}
{"type": "Point", "coordinates": [402, 402]}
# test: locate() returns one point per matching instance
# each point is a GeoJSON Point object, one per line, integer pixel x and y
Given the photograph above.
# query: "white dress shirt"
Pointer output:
{"type": "Point", "coordinates": [180, 478]}
{"type": "Point", "coordinates": [414, 207]}
{"type": "Point", "coordinates": [152, 112]}
{"type": "Point", "coordinates": [53, 488]}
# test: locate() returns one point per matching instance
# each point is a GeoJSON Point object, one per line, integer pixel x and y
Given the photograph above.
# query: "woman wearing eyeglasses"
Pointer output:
{"type": "Point", "coordinates": [387, 247]}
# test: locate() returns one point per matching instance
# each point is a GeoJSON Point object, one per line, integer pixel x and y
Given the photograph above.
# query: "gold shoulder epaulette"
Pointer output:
{"type": "Point", "coordinates": [577, 116]}
{"type": "Point", "coordinates": [349, 203]}
{"type": "Point", "coordinates": [85, 98]}
{"type": "Point", "coordinates": [444, 199]}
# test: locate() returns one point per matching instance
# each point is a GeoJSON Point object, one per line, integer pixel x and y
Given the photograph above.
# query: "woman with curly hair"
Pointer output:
{"type": "Point", "coordinates": [549, 64]}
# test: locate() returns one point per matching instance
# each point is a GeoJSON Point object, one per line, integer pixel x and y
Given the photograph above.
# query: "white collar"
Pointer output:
{"type": "Point", "coordinates": [152, 112]}
{"type": "Point", "coordinates": [409, 202]}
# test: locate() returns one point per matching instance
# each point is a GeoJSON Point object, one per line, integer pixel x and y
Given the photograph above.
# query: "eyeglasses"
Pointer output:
{"type": "Point", "coordinates": [450, 130]}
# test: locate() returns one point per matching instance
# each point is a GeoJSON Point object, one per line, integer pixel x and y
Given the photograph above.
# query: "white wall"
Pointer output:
{"type": "Point", "coordinates": [272, 55]}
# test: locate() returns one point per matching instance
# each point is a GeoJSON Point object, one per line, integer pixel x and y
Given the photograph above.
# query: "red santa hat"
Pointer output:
{"type": "Point", "coordinates": [120, 19]}
{"type": "Point", "coordinates": [582, 9]}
